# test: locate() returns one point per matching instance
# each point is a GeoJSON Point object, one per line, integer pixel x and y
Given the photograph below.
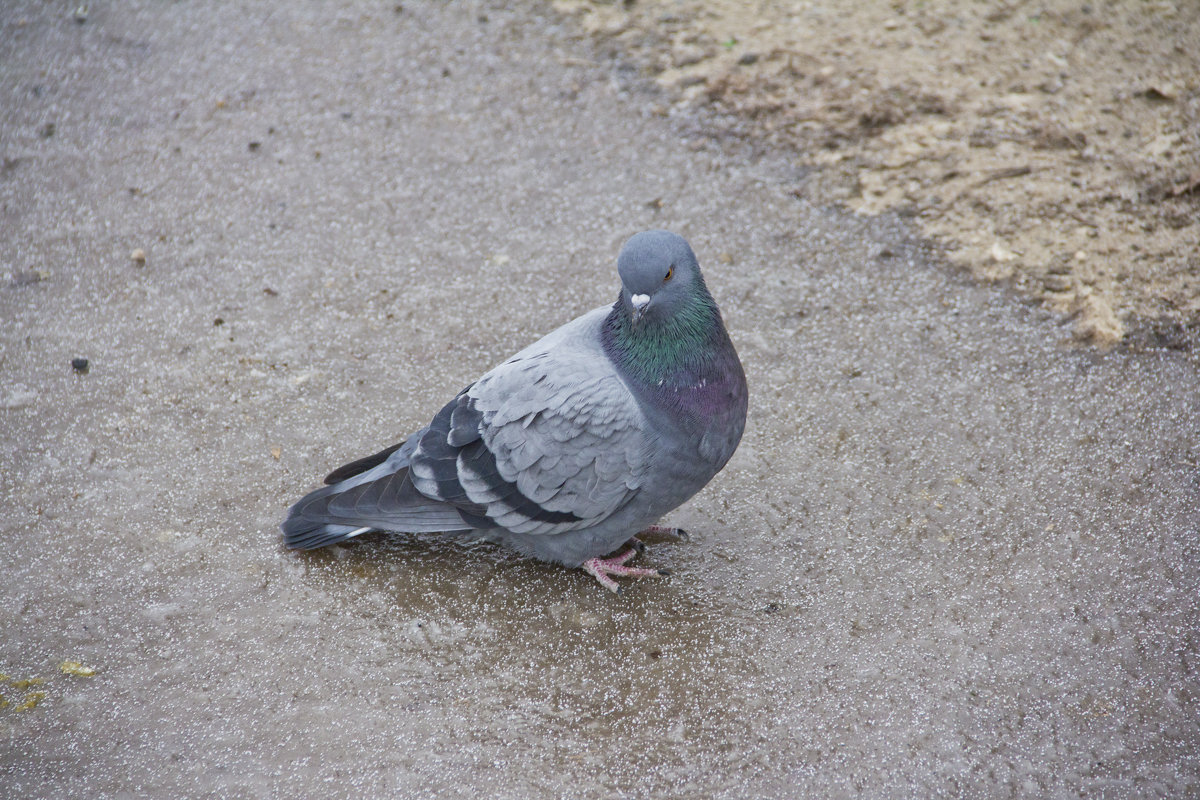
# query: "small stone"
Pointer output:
{"type": "Point", "coordinates": [1057, 282]}
{"type": "Point", "coordinates": [27, 277]}
{"type": "Point", "coordinates": [138, 256]}
{"type": "Point", "coordinates": [685, 55]}
{"type": "Point", "coordinates": [1001, 254]}
{"type": "Point", "coordinates": [80, 365]}
{"type": "Point", "coordinates": [1162, 91]}
{"type": "Point", "coordinates": [1096, 323]}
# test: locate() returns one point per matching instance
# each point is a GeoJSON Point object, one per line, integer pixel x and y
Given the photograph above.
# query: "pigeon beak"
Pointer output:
{"type": "Point", "coordinates": [639, 303]}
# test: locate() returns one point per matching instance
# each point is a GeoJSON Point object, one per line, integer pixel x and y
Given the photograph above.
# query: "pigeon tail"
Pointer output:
{"type": "Point", "coordinates": [301, 534]}
{"type": "Point", "coordinates": [378, 499]}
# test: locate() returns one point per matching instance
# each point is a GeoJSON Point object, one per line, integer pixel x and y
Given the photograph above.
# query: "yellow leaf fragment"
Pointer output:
{"type": "Point", "coordinates": [31, 701]}
{"type": "Point", "coordinates": [76, 668]}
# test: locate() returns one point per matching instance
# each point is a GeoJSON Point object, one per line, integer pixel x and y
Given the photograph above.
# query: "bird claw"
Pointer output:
{"type": "Point", "coordinates": [666, 532]}
{"type": "Point", "coordinates": [602, 569]}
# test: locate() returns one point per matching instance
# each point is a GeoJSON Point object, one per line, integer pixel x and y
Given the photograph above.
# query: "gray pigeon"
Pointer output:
{"type": "Point", "coordinates": [574, 444]}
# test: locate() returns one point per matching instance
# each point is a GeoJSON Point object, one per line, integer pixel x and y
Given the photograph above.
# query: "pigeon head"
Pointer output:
{"type": "Point", "coordinates": [665, 334]}
{"type": "Point", "coordinates": [659, 276]}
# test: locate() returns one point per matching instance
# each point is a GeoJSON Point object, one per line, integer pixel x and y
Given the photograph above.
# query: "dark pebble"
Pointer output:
{"type": "Point", "coordinates": [80, 365]}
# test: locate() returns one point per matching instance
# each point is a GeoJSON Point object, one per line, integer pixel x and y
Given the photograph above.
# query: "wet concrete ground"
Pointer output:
{"type": "Point", "coordinates": [951, 558]}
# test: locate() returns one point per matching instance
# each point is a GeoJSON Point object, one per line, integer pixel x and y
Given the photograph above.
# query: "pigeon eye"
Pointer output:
{"type": "Point", "coordinates": [670, 272]}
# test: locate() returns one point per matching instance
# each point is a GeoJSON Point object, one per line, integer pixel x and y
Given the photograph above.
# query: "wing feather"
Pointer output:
{"type": "Point", "coordinates": [547, 442]}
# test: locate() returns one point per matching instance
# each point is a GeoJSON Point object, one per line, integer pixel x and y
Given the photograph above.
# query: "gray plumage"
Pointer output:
{"type": "Point", "coordinates": [573, 445]}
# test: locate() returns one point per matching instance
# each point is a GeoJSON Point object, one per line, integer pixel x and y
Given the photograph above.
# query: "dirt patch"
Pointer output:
{"type": "Point", "coordinates": [1051, 145]}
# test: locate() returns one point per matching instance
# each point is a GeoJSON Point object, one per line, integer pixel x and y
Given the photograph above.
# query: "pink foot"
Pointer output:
{"type": "Point", "coordinates": [602, 568]}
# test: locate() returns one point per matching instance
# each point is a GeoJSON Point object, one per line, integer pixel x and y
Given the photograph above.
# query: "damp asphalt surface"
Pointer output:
{"type": "Point", "coordinates": [953, 557]}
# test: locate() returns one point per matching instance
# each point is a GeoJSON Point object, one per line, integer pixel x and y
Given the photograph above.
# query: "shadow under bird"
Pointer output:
{"type": "Point", "coordinates": [574, 445]}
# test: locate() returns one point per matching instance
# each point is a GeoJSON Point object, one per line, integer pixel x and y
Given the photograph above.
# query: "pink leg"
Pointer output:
{"type": "Point", "coordinates": [602, 568]}
{"type": "Point", "coordinates": [665, 530]}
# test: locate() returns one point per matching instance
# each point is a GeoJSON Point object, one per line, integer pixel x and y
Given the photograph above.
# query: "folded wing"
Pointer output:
{"type": "Point", "coordinates": [545, 443]}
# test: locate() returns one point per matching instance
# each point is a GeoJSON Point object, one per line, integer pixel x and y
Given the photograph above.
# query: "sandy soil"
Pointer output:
{"type": "Point", "coordinates": [1050, 145]}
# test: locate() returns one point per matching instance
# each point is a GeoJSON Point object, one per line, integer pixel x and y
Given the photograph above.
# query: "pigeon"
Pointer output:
{"type": "Point", "coordinates": [569, 449]}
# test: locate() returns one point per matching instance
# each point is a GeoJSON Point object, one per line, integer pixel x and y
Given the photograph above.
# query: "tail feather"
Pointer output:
{"type": "Point", "coordinates": [310, 538]}
{"type": "Point", "coordinates": [361, 465]}
{"type": "Point", "coordinates": [379, 499]}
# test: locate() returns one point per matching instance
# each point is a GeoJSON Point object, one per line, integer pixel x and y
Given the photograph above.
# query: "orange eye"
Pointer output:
{"type": "Point", "coordinates": [670, 272]}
